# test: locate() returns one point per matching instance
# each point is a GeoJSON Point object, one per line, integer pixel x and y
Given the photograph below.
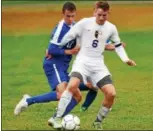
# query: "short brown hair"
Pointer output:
{"type": "Point", "coordinates": [102, 4]}
{"type": "Point", "coordinates": [69, 6]}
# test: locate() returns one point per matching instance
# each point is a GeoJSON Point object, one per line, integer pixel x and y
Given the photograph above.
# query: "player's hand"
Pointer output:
{"type": "Point", "coordinates": [89, 85]}
{"type": "Point", "coordinates": [75, 50]}
{"type": "Point", "coordinates": [72, 51]}
{"type": "Point", "coordinates": [48, 56]}
{"type": "Point", "coordinates": [131, 63]}
{"type": "Point", "coordinates": [123, 44]}
{"type": "Point", "coordinates": [110, 47]}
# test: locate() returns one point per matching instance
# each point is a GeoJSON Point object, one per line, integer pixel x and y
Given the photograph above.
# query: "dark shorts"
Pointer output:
{"type": "Point", "coordinates": [55, 75]}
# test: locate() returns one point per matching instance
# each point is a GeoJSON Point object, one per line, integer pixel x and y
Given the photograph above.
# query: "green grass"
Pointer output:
{"type": "Point", "coordinates": [22, 73]}
{"type": "Point", "coordinates": [45, 2]}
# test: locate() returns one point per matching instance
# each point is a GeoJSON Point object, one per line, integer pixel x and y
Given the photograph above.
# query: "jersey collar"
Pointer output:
{"type": "Point", "coordinates": [69, 25]}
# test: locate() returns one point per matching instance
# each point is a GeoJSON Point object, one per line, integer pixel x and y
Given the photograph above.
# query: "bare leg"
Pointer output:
{"type": "Point", "coordinates": [60, 89]}
{"type": "Point", "coordinates": [109, 96]}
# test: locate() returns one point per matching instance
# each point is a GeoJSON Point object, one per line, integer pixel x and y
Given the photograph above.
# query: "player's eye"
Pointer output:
{"type": "Point", "coordinates": [70, 16]}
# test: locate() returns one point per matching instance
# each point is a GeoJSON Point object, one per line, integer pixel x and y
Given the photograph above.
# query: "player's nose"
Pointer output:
{"type": "Point", "coordinates": [71, 19]}
{"type": "Point", "coordinates": [101, 18]}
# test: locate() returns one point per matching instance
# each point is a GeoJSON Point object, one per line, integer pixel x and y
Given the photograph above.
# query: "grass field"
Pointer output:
{"type": "Point", "coordinates": [22, 56]}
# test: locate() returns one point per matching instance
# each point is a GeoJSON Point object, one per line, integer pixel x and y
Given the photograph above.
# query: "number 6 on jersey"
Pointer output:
{"type": "Point", "coordinates": [95, 43]}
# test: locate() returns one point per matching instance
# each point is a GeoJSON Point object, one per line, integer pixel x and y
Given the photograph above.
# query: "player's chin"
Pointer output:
{"type": "Point", "coordinates": [101, 22]}
{"type": "Point", "coordinates": [70, 22]}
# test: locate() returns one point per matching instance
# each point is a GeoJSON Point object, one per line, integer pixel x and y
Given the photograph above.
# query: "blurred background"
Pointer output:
{"type": "Point", "coordinates": [26, 28]}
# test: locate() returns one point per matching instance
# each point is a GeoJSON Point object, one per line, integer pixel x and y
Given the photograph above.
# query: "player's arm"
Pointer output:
{"type": "Point", "coordinates": [55, 50]}
{"type": "Point", "coordinates": [73, 33]}
{"type": "Point", "coordinates": [119, 49]}
{"type": "Point", "coordinates": [111, 46]}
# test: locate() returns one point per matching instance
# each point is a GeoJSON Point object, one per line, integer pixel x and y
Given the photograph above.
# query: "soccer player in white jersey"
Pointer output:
{"type": "Point", "coordinates": [109, 46]}
{"type": "Point", "coordinates": [89, 64]}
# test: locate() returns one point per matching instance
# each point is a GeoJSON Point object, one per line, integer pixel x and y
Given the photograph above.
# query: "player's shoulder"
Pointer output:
{"type": "Point", "coordinates": [61, 21]}
{"type": "Point", "coordinates": [110, 24]}
{"type": "Point", "coordinates": [87, 19]}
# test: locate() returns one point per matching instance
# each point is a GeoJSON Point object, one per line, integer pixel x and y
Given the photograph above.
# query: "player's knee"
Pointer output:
{"type": "Point", "coordinates": [77, 95]}
{"type": "Point", "coordinates": [72, 87]}
{"type": "Point", "coordinates": [111, 94]}
{"type": "Point", "coordinates": [61, 87]}
{"type": "Point", "coordinates": [109, 91]}
{"type": "Point", "coordinates": [59, 93]}
{"type": "Point", "coordinates": [61, 90]}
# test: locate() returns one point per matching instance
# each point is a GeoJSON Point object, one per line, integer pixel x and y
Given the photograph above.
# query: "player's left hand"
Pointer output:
{"type": "Point", "coordinates": [123, 44]}
{"type": "Point", "coordinates": [131, 63]}
{"type": "Point", "coordinates": [48, 56]}
{"type": "Point", "coordinates": [90, 86]}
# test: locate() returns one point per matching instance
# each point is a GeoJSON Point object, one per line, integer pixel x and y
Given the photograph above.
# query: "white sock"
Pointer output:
{"type": "Point", "coordinates": [102, 113]}
{"type": "Point", "coordinates": [63, 103]}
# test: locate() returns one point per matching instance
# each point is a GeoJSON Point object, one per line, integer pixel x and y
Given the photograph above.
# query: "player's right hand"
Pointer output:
{"type": "Point", "coordinates": [47, 55]}
{"type": "Point", "coordinates": [76, 50]}
{"type": "Point", "coordinates": [72, 51]}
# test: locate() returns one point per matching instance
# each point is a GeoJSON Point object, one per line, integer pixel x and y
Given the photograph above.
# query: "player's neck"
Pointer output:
{"type": "Point", "coordinates": [100, 23]}
{"type": "Point", "coordinates": [68, 24]}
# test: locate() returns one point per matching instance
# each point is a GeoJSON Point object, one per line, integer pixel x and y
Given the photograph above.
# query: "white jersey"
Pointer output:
{"type": "Point", "coordinates": [92, 37]}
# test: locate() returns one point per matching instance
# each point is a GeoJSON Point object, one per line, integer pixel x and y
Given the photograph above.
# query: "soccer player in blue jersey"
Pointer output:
{"type": "Point", "coordinates": [56, 65]}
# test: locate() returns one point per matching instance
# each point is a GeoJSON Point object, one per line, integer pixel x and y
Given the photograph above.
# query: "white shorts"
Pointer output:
{"type": "Point", "coordinates": [90, 72]}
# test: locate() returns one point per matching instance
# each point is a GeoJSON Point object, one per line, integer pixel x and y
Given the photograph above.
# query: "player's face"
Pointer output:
{"type": "Point", "coordinates": [69, 16]}
{"type": "Point", "coordinates": [101, 16]}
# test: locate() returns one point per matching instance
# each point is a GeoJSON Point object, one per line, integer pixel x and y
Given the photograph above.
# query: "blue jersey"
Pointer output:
{"type": "Point", "coordinates": [56, 68]}
{"type": "Point", "coordinates": [58, 56]}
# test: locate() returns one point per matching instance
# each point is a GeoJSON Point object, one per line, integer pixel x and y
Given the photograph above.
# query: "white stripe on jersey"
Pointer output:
{"type": "Point", "coordinates": [57, 33]}
{"type": "Point", "coordinates": [57, 74]}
